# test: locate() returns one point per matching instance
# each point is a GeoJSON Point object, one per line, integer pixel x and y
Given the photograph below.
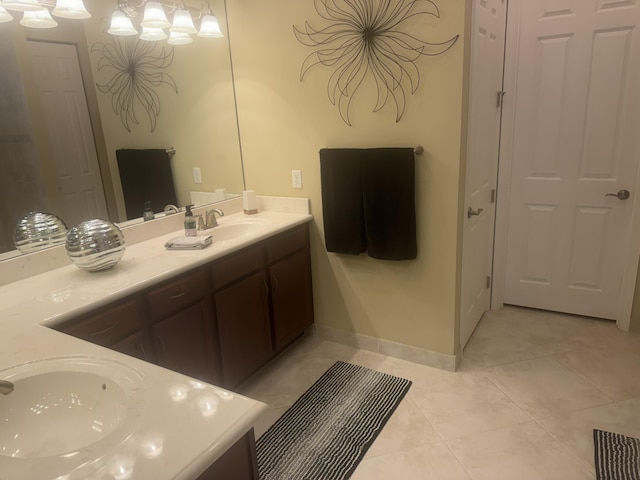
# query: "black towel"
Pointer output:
{"type": "Point", "coordinates": [368, 201]}
{"type": "Point", "coordinates": [145, 176]}
{"type": "Point", "coordinates": [342, 203]}
{"type": "Point", "coordinates": [388, 190]}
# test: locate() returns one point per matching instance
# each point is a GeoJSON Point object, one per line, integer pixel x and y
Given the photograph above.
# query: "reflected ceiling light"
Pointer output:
{"type": "Point", "coordinates": [209, 26]}
{"type": "Point", "coordinates": [182, 22]}
{"type": "Point", "coordinates": [154, 16]}
{"type": "Point", "coordinates": [121, 25]}
{"type": "Point", "coordinates": [38, 19]}
{"type": "Point", "coordinates": [4, 15]}
{"type": "Point", "coordinates": [73, 9]}
{"type": "Point", "coordinates": [151, 34]}
{"type": "Point", "coordinates": [177, 38]}
{"type": "Point", "coordinates": [22, 5]}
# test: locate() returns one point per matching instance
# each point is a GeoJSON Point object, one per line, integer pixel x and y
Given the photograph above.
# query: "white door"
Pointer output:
{"type": "Point", "coordinates": [66, 120]}
{"type": "Point", "coordinates": [483, 138]}
{"type": "Point", "coordinates": [576, 117]}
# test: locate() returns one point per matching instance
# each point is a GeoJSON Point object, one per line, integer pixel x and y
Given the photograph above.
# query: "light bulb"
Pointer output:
{"type": "Point", "coordinates": [154, 16]}
{"type": "Point", "coordinates": [121, 25]}
{"type": "Point", "coordinates": [177, 38]}
{"type": "Point", "coordinates": [151, 34]}
{"type": "Point", "coordinates": [182, 22]}
{"type": "Point", "coordinates": [38, 19]}
{"type": "Point", "coordinates": [4, 15]}
{"type": "Point", "coordinates": [22, 5]}
{"type": "Point", "coordinates": [209, 27]}
{"type": "Point", "coordinates": [73, 9]}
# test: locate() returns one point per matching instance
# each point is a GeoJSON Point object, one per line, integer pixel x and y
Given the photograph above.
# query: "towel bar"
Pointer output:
{"type": "Point", "coordinates": [419, 150]}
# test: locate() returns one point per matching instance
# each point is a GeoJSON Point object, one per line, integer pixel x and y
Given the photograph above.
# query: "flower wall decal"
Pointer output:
{"type": "Point", "coordinates": [137, 70]}
{"type": "Point", "coordinates": [365, 38]}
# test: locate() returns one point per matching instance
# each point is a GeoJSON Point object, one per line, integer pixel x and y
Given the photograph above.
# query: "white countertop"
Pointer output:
{"type": "Point", "coordinates": [177, 433]}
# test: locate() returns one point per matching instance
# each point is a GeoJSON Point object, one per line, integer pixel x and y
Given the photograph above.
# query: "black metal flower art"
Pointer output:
{"type": "Point", "coordinates": [137, 71]}
{"type": "Point", "coordinates": [365, 38]}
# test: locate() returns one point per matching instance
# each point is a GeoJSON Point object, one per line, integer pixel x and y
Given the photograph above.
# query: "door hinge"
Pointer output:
{"type": "Point", "coordinates": [499, 96]}
{"type": "Point", "coordinates": [488, 281]}
{"type": "Point", "coordinates": [493, 195]}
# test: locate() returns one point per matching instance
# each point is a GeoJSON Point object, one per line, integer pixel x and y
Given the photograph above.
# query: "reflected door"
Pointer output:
{"type": "Point", "coordinates": [576, 123]}
{"type": "Point", "coordinates": [69, 133]}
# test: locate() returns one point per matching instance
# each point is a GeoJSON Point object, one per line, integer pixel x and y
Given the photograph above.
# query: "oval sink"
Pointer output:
{"type": "Point", "coordinates": [239, 229]}
{"type": "Point", "coordinates": [57, 412]}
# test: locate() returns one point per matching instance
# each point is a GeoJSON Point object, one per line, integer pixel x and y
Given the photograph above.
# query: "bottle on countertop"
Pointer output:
{"type": "Point", "coordinates": [148, 213]}
{"type": "Point", "coordinates": [190, 227]}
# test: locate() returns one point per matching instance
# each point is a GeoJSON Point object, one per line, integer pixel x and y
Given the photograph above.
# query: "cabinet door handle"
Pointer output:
{"type": "Point", "coordinates": [163, 346]}
{"type": "Point", "coordinates": [266, 288]}
{"type": "Point", "coordinates": [181, 294]}
{"type": "Point", "coordinates": [274, 281]}
{"type": "Point", "coordinates": [144, 352]}
{"type": "Point", "coordinates": [98, 333]}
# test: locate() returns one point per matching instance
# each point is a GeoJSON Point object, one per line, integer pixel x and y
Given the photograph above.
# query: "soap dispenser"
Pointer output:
{"type": "Point", "coordinates": [190, 229]}
{"type": "Point", "coordinates": [148, 213]}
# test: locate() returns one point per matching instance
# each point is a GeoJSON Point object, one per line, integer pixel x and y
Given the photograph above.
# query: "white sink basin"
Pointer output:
{"type": "Point", "coordinates": [237, 229]}
{"type": "Point", "coordinates": [63, 405]}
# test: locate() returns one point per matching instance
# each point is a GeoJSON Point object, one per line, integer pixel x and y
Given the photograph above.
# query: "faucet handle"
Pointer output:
{"type": "Point", "coordinates": [201, 223]}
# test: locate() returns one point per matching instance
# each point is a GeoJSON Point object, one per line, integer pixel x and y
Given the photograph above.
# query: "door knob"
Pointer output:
{"type": "Point", "coordinates": [622, 194]}
{"type": "Point", "coordinates": [471, 212]}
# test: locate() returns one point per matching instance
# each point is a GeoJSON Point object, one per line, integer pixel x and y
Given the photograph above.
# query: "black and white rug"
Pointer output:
{"type": "Point", "coordinates": [617, 457]}
{"type": "Point", "coordinates": [327, 431]}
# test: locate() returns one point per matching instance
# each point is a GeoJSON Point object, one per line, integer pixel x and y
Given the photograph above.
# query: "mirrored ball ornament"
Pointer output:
{"type": "Point", "coordinates": [38, 230]}
{"type": "Point", "coordinates": [95, 245]}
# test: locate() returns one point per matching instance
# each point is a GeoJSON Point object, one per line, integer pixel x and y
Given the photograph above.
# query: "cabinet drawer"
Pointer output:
{"type": "Point", "coordinates": [237, 265]}
{"type": "Point", "coordinates": [107, 326]}
{"type": "Point", "coordinates": [177, 294]}
{"type": "Point", "coordinates": [285, 243]}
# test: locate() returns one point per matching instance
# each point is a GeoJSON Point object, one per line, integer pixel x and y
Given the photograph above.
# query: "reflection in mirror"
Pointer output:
{"type": "Point", "coordinates": [59, 133]}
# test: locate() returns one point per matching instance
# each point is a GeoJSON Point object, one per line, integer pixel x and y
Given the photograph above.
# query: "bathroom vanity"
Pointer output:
{"type": "Point", "coordinates": [219, 322]}
{"type": "Point", "coordinates": [215, 315]}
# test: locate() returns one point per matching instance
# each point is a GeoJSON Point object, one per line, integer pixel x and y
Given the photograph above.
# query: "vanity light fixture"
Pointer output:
{"type": "Point", "coordinates": [153, 15]}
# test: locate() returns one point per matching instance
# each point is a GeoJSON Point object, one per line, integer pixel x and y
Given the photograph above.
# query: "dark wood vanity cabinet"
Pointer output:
{"type": "Point", "coordinates": [290, 282]}
{"type": "Point", "coordinates": [220, 322]}
{"type": "Point", "coordinates": [181, 327]}
{"type": "Point", "coordinates": [117, 326]}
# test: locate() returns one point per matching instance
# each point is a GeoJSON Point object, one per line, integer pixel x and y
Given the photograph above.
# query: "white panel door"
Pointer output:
{"type": "Point", "coordinates": [483, 140]}
{"type": "Point", "coordinates": [574, 141]}
{"type": "Point", "coordinates": [66, 120]}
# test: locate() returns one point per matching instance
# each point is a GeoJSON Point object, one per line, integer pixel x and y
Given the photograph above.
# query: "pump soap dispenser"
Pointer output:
{"type": "Point", "coordinates": [148, 213]}
{"type": "Point", "coordinates": [190, 229]}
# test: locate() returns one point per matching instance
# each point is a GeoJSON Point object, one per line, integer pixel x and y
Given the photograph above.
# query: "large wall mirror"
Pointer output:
{"type": "Point", "coordinates": [44, 136]}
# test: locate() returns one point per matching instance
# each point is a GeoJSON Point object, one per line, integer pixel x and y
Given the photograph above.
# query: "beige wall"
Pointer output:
{"type": "Point", "coordinates": [283, 124]}
{"type": "Point", "coordinates": [199, 121]}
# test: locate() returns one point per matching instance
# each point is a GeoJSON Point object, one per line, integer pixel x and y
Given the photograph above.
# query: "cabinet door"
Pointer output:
{"type": "Point", "coordinates": [242, 314]}
{"type": "Point", "coordinates": [291, 298]}
{"type": "Point", "coordinates": [136, 345]}
{"type": "Point", "coordinates": [184, 343]}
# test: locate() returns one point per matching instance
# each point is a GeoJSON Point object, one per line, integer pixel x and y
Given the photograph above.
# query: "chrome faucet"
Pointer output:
{"type": "Point", "coordinates": [209, 220]}
{"type": "Point", "coordinates": [169, 209]}
{"type": "Point", "coordinates": [5, 387]}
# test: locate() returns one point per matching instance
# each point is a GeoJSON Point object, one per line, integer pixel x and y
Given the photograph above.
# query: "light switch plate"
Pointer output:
{"type": "Point", "coordinates": [296, 178]}
{"type": "Point", "coordinates": [197, 175]}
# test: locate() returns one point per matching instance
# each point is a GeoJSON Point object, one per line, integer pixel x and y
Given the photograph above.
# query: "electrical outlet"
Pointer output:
{"type": "Point", "coordinates": [296, 178]}
{"type": "Point", "coordinates": [197, 175]}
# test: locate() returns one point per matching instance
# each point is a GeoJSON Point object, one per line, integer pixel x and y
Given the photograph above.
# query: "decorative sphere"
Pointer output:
{"type": "Point", "coordinates": [95, 245]}
{"type": "Point", "coordinates": [37, 230]}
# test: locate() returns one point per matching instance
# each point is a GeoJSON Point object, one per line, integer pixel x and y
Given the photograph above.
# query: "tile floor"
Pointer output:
{"type": "Point", "coordinates": [531, 387]}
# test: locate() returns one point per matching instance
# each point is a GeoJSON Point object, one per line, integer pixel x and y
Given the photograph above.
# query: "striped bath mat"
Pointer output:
{"type": "Point", "coordinates": [617, 457]}
{"type": "Point", "coordinates": [327, 431]}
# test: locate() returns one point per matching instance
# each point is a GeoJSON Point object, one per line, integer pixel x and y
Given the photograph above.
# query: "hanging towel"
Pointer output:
{"type": "Point", "coordinates": [145, 176]}
{"type": "Point", "coordinates": [342, 202]}
{"type": "Point", "coordinates": [368, 202]}
{"type": "Point", "coordinates": [388, 190]}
